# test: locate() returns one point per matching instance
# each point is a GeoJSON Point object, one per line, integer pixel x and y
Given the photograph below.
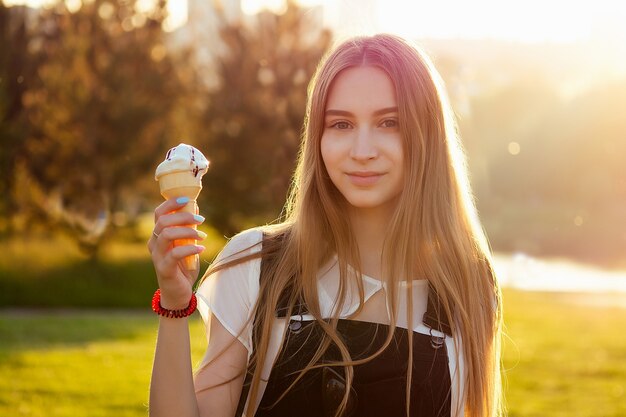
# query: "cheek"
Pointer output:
{"type": "Point", "coordinates": [331, 159]}
{"type": "Point", "coordinates": [327, 153]}
{"type": "Point", "coordinates": [399, 152]}
{"type": "Point", "coordinates": [396, 153]}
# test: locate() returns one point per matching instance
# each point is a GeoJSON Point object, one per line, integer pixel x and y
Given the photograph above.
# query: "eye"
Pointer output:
{"type": "Point", "coordinates": [390, 123]}
{"type": "Point", "coordinates": [341, 125]}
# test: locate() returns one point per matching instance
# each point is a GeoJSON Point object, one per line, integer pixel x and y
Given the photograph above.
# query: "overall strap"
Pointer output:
{"type": "Point", "coordinates": [434, 317]}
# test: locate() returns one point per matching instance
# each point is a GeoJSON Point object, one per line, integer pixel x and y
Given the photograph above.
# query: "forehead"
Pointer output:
{"type": "Point", "coordinates": [363, 88]}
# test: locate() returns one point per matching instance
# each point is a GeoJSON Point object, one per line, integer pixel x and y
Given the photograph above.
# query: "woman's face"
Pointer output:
{"type": "Point", "coordinates": [361, 145]}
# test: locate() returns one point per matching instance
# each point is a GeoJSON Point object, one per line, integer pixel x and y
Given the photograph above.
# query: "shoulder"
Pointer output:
{"type": "Point", "coordinates": [230, 287]}
{"type": "Point", "coordinates": [244, 243]}
{"type": "Point", "coordinates": [238, 262]}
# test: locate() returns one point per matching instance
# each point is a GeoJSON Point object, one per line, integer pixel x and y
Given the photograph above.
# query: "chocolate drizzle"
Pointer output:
{"type": "Point", "coordinates": [195, 170]}
{"type": "Point", "coordinates": [195, 164]}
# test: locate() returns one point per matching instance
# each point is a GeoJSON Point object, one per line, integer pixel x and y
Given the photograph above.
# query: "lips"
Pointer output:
{"type": "Point", "coordinates": [364, 178]}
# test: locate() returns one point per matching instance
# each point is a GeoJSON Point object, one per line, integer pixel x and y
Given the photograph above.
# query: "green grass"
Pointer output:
{"type": "Point", "coordinates": [79, 363]}
{"type": "Point", "coordinates": [565, 355]}
{"type": "Point", "coordinates": [562, 358]}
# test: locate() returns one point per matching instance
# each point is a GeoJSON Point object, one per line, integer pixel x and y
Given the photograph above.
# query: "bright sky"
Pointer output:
{"type": "Point", "coordinates": [525, 21]}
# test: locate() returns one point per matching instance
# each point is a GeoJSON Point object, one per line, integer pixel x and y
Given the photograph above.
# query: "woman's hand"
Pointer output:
{"type": "Point", "coordinates": [175, 281]}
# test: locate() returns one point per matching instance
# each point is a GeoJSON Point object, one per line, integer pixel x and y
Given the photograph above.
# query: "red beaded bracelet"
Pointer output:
{"type": "Point", "coordinates": [185, 312]}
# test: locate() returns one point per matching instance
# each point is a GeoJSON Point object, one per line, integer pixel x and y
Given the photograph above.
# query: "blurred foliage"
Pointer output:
{"type": "Point", "coordinates": [91, 99]}
{"type": "Point", "coordinates": [16, 69]}
{"type": "Point", "coordinates": [549, 172]}
{"type": "Point", "coordinates": [254, 119]}
{"type": "Point", "coordinates": [97, 108]}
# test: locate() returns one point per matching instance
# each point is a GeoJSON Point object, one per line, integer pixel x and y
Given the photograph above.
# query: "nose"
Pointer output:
{"type": "Point", "coordinates": [363, 145]}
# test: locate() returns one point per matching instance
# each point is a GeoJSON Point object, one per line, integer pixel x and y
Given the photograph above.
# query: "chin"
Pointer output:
{"type": "Point", "coordinates": [364, 200]}
{"type": "Point", "coordinates": [370, 204]}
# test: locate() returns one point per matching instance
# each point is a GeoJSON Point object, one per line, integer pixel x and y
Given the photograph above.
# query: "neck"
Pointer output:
{"type": "Point", "coordinates": [370, 227]}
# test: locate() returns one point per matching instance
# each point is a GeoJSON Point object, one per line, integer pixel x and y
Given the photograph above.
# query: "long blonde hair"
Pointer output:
{"type": "Point", "coordinates": [434, 231]}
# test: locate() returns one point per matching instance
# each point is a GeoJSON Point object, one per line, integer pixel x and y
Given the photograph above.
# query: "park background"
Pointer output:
{"type": "Point", "coordinates": [93, 93]}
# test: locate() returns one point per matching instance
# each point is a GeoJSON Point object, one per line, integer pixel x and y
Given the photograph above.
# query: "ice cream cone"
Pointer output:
{"type": "Point", "coordinates": [183, 184]}
{"type": "Point", "coordinates": [180, 175]}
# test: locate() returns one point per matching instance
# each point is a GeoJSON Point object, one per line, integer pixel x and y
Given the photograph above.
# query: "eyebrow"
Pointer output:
{"type": "Point", "coordinates": [378, 112]}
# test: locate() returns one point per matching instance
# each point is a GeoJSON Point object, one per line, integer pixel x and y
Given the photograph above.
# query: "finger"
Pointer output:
{"type": "Point", "coordinates": [182, 232]}
{"type": "Point", "coordinates": [166, 264]}
{"type": "Point", "coordinates": [180, 252]}
{"type": "Point", "coordinates": [162, 241]}
{"type": "Point", "coordinates": [170, 205]}
{"type": "Point", "coordinates": [177, 219]}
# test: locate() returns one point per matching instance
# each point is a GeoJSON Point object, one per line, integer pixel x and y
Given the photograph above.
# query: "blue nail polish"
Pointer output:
{"type": "Point", "coordinates": [198, 218]}
{"type": "Point", "coordinates": [182, 200]}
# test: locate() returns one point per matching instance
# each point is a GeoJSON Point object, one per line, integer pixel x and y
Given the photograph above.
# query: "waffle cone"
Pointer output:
{"type": "Point", "coordinates": [180, 184]}
{"type": "Point", "coordinates": [183, 184]}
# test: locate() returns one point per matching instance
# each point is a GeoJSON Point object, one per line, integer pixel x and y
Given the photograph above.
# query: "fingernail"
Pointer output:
{"type": "Point", "coordinates": [201, 234]}
{"type": "Point", "coordinates": [198, 218]}
{"type": "Point", "coordinates": [182, 200]}
{"type": "Point", "coordinates": [200, 248]}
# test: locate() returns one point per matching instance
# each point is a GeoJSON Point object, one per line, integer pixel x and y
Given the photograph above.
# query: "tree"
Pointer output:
{"type": "Point", "coordinates": [99, 109]}
{"type": "Point", "coordinates": [16, 71]}
{"type": "Point", "coordinates": [253, 121]}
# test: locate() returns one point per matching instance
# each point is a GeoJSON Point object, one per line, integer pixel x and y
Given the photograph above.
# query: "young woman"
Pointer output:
{"type": "Point", "coordinates": [375, 296]}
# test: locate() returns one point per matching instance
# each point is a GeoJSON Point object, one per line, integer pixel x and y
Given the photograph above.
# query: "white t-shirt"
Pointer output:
{"type": "Point", "coordinates": [230, 295]}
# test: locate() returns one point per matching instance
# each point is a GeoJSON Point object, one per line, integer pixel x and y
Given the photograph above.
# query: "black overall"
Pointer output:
{"type": "Point", "coordinates": [379, 386]}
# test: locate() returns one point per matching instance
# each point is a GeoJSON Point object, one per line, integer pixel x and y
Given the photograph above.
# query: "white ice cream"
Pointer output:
{"type": "Point", "coordinates": [183, 158]}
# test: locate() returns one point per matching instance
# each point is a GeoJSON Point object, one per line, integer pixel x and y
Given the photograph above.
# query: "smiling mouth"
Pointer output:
{"type": "Point", "coordinates": [364, 178]}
